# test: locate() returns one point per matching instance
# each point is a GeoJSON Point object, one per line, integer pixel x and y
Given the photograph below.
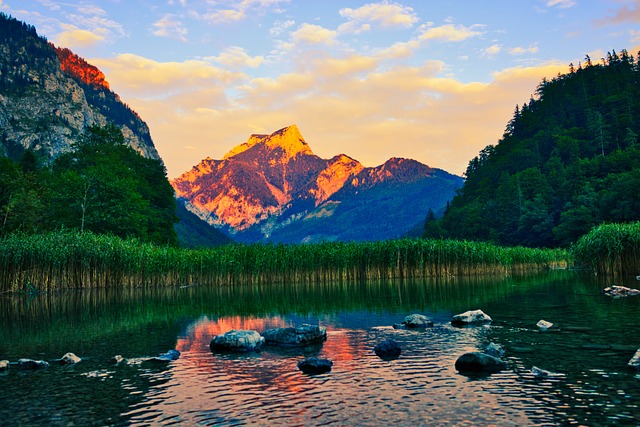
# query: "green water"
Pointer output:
{"type": "Point", "coordinates": [595, 339]}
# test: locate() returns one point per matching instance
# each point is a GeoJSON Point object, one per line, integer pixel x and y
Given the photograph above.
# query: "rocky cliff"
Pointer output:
{"type": "Point", "coordinates": [273, 188]}
{"type": "Point", "coordinates": [49, 96]}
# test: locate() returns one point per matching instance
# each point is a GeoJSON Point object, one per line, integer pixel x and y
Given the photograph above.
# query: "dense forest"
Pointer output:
{"type": "Point", "coordinates": [569, 160]}
{"type": "Point", "coordinates": [102, 186]}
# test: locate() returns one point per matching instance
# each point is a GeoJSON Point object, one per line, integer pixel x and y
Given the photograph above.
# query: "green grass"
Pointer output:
{"type": "Point", "coordinates": [64, 260]}
{"type": "Point", "coordinates": [610, 249]}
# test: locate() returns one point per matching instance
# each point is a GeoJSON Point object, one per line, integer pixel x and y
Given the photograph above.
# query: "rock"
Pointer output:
{"type": "Point", "coordinates": [414, 321]}
{"type": "Point", "coordinates": [315, 365]}
{"type": "Point", "coordinates": [32, 364]}
{"type": "Point", "coordinates": [388, 350]}
{"type": "Point", "coordinates": [543, 325]}
{"type": "Point", "coordinates": [477, 362]}
{"type": "Point", "coordinates": [300, 336]}
{"type": "Point", "coordinates": [635, 361]}
{"type": "Point", "coordinates": [4, 365]}
{"type": "Point", "coordinates": [239, 341]}
{"type": "Point", "coordinates": [620, 291]}
{"type": "Point", "coordinates": [470, 318]}
{"type": "Point", "coordinates": [69, 359]}
{"type": "Point", "coordinates": [541, 373]}
{"type": "Point", "coordinates": [494, 350]}
{"type": "Point", "coordinates": [169, 356]}
{"type": "Point", "coordinates": [117, 359]}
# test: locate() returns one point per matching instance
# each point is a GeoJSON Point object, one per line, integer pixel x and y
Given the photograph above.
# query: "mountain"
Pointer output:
{"type": "Point", "coordinates": [272, 188]}
{"type": "Point", "coordinates": [49, 97]}
{"type": "Point", "coordinates": [568, 160]}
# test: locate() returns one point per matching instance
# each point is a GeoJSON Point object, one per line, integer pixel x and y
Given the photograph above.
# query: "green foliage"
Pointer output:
{"type": "Point", "coordinates": [102, 186]}
{"type": "Point", "coordinates": [569, 159]}
{"type": "Point", "coordinates": [78, 260]}
{"type": "Point", "coordinates": [611, 249]}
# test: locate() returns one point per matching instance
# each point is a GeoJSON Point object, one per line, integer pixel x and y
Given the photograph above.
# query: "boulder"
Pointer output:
{"type": "Point", "coordinates": [237, 341]}
{"type": "Point", "coordinates": [474, 317]}
{"type": "Point", "coordinates": [4, 365]}
{"type": "Point", "coordinates": [169, 356]}
{"type": "Point", "coordinates": [543, 325]}
{"type": "Point", "coordinates": [315, 365]}
{"type": "Point", "coordinates": [388, 350]}
{"type": "Point", "coordinates": [477, 362]}
{"type": "Point", "coordinates": [300, 336]}
{"type": "Point", "coordinates": [414, 321]}
{"type": "Point", "coordinates": [494, 350]}
{"type": "Point", "coordinates": [69, 359]}
{"type": "Point", "coordinates": [620, 291]}
{"type": "Point", "coordinates": [32, 364]}
{"type": "Point", "coordinates": [542, 373]}
{"type": "Point", "coordinates": [117, 359]}
{"type": "Point", "coordinates": [635, 361]}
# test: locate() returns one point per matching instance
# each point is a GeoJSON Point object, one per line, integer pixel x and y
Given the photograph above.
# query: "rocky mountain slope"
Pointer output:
{"type": "Point", "coordinates": [273, 188]}
{"type": "Point", "coordinates": [49, 96]}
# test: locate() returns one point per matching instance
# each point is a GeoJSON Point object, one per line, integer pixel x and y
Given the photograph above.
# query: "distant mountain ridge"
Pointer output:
{"type": "Point", "coordinates": [274, 188]}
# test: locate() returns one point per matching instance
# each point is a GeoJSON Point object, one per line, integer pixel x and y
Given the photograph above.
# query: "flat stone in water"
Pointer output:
{"type": "Point", "coordinates": [315, 365]}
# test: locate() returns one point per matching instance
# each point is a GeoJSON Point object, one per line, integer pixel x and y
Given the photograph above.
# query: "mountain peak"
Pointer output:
{"type": "Point", "coordinates": [289, 139]}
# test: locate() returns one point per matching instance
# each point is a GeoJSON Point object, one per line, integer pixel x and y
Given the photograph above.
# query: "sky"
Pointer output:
{"type": "Point", "coordinates": [431, 80]}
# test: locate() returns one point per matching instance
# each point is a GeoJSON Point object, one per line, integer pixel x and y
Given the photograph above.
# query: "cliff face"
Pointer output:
{"type": "Point", "coordinates": [49, 96]}
{"type": "Point", "coordinates": [273, 188]}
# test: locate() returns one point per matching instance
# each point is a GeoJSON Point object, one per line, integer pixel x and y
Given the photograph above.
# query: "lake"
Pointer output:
{"type": "Point", "coordinates": [589, 352]}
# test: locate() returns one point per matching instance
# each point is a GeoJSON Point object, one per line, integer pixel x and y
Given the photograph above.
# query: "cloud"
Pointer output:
{"type": "Point", "coordinates": [523, 50]}
{"type": "Point", "coordinates": [562, 4]}
{"type": "Point", "coordinates": [236, 58]}
{"type": "Point", "coordinates": [280, 26]}
{"type": "Point", "coordinates": [382, 14]}
{"type": "Point", "coordinates": [237, 10]}
{"type": "Point", "coordinates": [622, 16]}
{"type": "Point", "coordinates": [313, 34]}
{"type": "Point", "coordinates": [73, 37]}
{"type": "Point", "coordinates": [169, 26]}
{"type": "Point", "coordinates": [225, 16]}
{"type": "Point", "coordinates": [492, 50]}
{"type": "Point", "coordinates": [449, 32]}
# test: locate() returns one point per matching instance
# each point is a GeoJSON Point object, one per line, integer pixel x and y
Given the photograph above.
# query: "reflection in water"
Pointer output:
{"type": "Point", "coordinates": [595, 339]}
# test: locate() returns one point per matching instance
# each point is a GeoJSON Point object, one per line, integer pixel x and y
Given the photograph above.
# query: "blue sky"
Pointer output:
{"type": "Point", "coordinates": [431, 80]}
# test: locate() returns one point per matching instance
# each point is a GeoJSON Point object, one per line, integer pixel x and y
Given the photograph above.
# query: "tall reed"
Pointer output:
{"type": "Point", "coordinates": [72, 260]}
{"type": "Point", "coordinates": [611, 249]}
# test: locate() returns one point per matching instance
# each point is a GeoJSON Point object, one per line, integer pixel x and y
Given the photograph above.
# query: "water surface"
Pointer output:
{"type": "Point", "coordinates": [596, 338]}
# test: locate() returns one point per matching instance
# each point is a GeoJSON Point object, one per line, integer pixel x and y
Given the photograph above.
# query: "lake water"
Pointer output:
{"type": "Point", "coordinates": [596, 338]}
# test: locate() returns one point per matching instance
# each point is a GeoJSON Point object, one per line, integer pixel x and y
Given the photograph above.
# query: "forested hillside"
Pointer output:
{"type": "Point", "coordinates": [569, 159]}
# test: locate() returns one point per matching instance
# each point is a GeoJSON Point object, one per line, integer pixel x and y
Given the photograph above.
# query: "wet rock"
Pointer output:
{"type": "Point", "coordinates": [4, 365]}
{"type": "Point", "coordinates": [620, 291]}
{"type": "Point", "coordinates": [69, 359]}
{"type": "Point", "coordinates": [237, 341]}
{"type": "Point", "coordinates": [542, 373]}
{"type": "Point", "coordinates": [300, 336]}
{"type": "Point", "coordinates": [388, 350]}
{"type": "Point", "coordinates": [315, 365]}
{"type": "Point", "coordinates": [477, 362]}
{"type": "Point", "coordinates": [32, 364]}
{"type": "Point", "coordinates": [414, 321]}
{"type": "Point", "coordinates": [635, 361]}
{"type": "Point", "coordinates": [117, 359]}
{"type": "Point", "coordinates": [543, 325]}
{"type": "Point", "coordinates": [473, 317]}
{"type": "Point", "coordinates": [494, 350]}
{"type": "Point", "coordinates": [169, 356]}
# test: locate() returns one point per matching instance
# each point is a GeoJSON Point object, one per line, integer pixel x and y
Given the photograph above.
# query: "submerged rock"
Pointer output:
{"type": "Point", "coordinates": [414, 321]}
{"type": "Point", "coordinates": [388, 350]}
{"type": "Point", "coordinates": [300, 336]}
{"type": "Point", "coordinates": [237, 341]}
{"type": "Point", "coordinates": [32, 364]}
{"type": "Point", "coordinates": [635, 361]}
{"type": "Point", "coordinates": [543, 373]}
{"type": "Point", "coordinates": [543, 325]}
{"type": "Point", "coordinates": [620, 291]}
{"type": "Point", "coordinates": [117, 359]}
{"type": "Point", "coordinates": [472, 317]}
{"type": "Point", "coordinates": [494, 350]}
{"type": "Point", "coordinates": [169, 356]}
{"type": "Point", "coordinates": [69, 359]}
{"type": "Point", "coordinates": [4, 365]}
{"type": "Point", "coordinates": [315, 365]}
{"type": "Point", "coordinates": [477, 362]}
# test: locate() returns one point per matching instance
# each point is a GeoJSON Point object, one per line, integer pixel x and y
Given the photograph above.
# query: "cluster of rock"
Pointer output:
{"type": "Point", "coordinates": [620, 291]}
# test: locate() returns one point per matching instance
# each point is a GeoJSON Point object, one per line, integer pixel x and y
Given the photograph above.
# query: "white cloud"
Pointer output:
{"type": "Point", "coordinates": [562, 4]}
{"type": "Point", "coordinates": [73, 37]}
{"type": "Point", "coordinates": [449, 32]}
{"type": "Point", "coordinates": [492, 50]}
{"type": "Point", "coordinates": [169, 26]}
{"type": "Point", "coordinates": [313, 34]}
{"type": "Point", "coordinates": [384, 14]}
{"type": "Point", "coordinates": [280, 26]}
{"type": "Point", "coordinates": [523, 50]}
{"type": "Point", "coordinates": [235, 57]}
{"type": "Point", "coordinates": [225, 16]}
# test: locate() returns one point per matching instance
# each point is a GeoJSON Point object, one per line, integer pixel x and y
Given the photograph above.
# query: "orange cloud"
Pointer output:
{"type": "Point", "coordinates": [73, 37]}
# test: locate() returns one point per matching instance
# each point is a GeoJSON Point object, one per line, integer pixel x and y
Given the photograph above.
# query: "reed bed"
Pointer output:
{"type": "Point", "coordinates": [611, 249]}
{"type": "Point", "coordinates": [71, 260]}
